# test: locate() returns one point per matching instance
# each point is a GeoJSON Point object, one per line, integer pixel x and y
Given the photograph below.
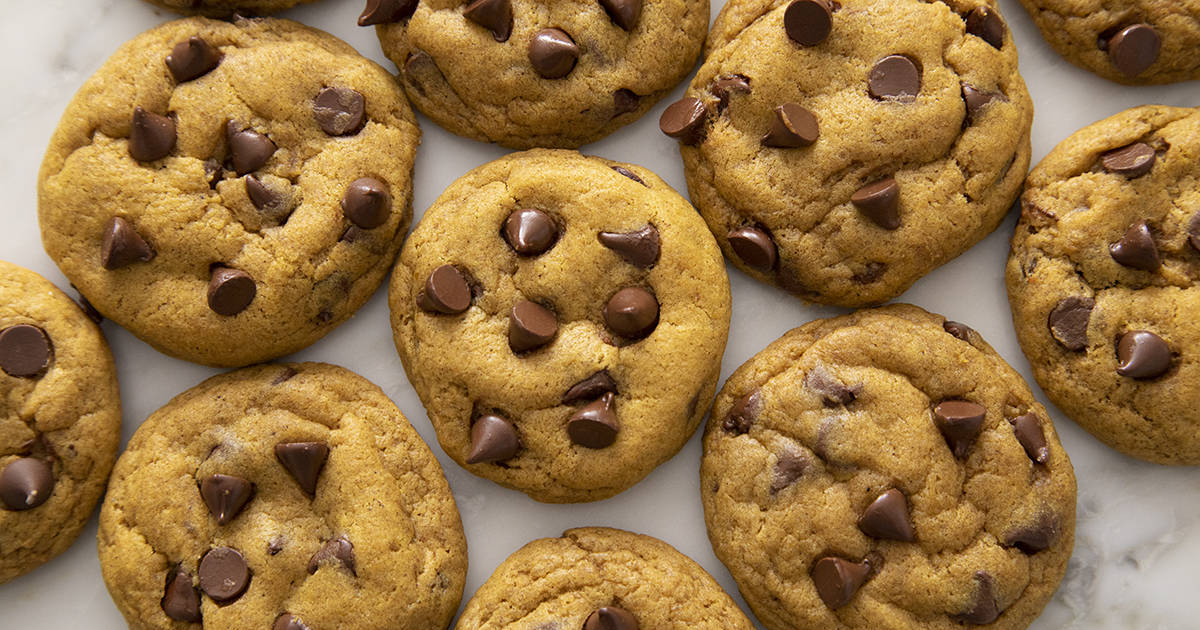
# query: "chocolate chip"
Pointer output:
{"type": "Point", "coordinates": [983, 608]}
{"type": "Point", "coordinates": [262, 197]}
{"type": "Point", "coordinates": [493, 439]}
{"type": "Point", "coordinates": [121, 245]}
{"type": "Point", "coordinates": [743, 414]}
{"type": "Point", "coordinates": [275, 546]}
{"type": "Point", "coordinates": [611, 618]}
{"type": "Point", "coordinates": [494, 15]}
{"type": "Point", "coordinates": [837, 580]}
{"type": "Point", "coordinates": [151, 136]}
{"type": "Point", "coordinates": [530, 326]}
{"type": "Point", "coordinates": [1068, 322]}
{"type": "Point", "coordinates": [335, 551]}
{"type": "Point", "coordinates": [213, 172]}
{"type": "Point", "coordinates": [230, 291]}
{"type": "Point", "coordinates": [1143, 355]}
{"type": "Point", "coordinates": [788, 468]}
{"type": "Point", "coordinates": [879, 201]}
{"type": "Point", "coordinates": [224, 574]}
{"type": "Point", "coordinates": [727, 86]}
{"type": "Point", "coordinates": [181, 600]}
{"type": "Point", "coordinates": [590, 388]}
{"type": "Point", "coordinates": [530, 232]}
{"type": "Point", "coordinates": [625, 101]}
{"type": "Point", "coordinates": [288, 621]}
{"type": "Point", "coordinates": [977, 99]}
{"type": "Point", "coordinates": [1032, 438]}
{"type": "Point", "coordinates": [632, 312]}
{"type": "Point", "coordinates": [339, 111]}
{"type": "Point", "coordinates": [367, 203]}
{"type": "Point", "coordinates": [623, 13]}
{"type": "Point", "coordinates": [833, 392]}
{"type": "Point", "coordinates": [1132, 160]}
{"type": "Point", "coordinates": [887, 518]}
{"type": "Point", "coordinates": [1134, 49]}
{"type": "Point", "coordinates": [89, 310]}
{"type": "Point", "coordinates": [793, 126]}
{"type": "Point", "coordinates": [303, 461]}
{"type": "Point", "coordinates": [985, 23]}
{"type": "Point", "coordinates": [192, 59]}
{"type": "Point", "coordinates": [684, 120]}
{"type": "Point", "coordinates": [1136, 248]}
{"type": "Point", "coordinates": [26, 483]}
{"type": "Point", "coordinates": [755, 247]}
{"type": "Point", "coordinates": [894, 78]}
{"type": "Point", "coordinates": [962, 331]}
{"type": "Point", "coordinates": [595, 424]}
{"type": "Point", "coordinates": [960, 422]}
{"type": "Point", "coordinates": [808, 22]}
{"type": "Point", "coordinates": [446, 292]}
{"type": "Point", "coordinates": [630, 174]}
{"type": "Point", "coordinates": [248, 149]}
{"type": "Point", "coordinates": [352, 234]}
{"type": "Point", "coordinates": [225, 496]}
{"type": "Point", "coordinates": [552, 53]}
{"type": "Point", "coordinates": [386, 12]}
{"type": "Point", "coordinates": [640, 248]}
{"type": "Point", "coordinates": [1194, 231]}
{"type": "Point", "coordinates": [25, 350]}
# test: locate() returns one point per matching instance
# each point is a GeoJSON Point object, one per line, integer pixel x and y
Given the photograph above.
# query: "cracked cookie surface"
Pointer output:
{"type": "Point", "coordinates": [538, 306]}
{"type": "Point", "coordinates": [886, 469]}
{"type": "Point", "coordinates": [844, 168]}
{"type": "Point", "coordinates": [205, 188]}
{"type": "Point", "coordinates": [577, 581]}
{"type": "Point", "coordinates": [60, 420]}
{"type": "Point", "coordinates": [529, 73]}
{"type": "Point", "coordinates": [1104, 280]}
{"type": "Point", "coordinates": [224, 8]}
{"type": "Point", "coordinates": [281, 496]}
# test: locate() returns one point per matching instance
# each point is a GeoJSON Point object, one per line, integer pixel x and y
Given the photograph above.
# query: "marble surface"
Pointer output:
{"type": "Point", "coordinates": [1138, 538]}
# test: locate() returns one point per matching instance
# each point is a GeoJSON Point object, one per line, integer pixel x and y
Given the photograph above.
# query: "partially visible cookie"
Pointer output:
{"type": "Point", "coordinates": [841, 151]}
{"type": "Point", "coordinates": [281, 496]}
{"type": "Point", "coordinates": [529, 73]}
{"type": "Point", "coordinates": [225, 8]}
{"type": "Point", "coordinates": [886, 469]}
{"type": "Point", "coordinates": [1104, 280]}
{"type": "Point", "coordinates": [1136, 42]}
{"type": "Point", "coordinates": [60, 420]}
{"type": "Point", "coordinates": [230, 192]}
{"type": "Point", "coordinates": [598, 578]}
{"type": "Point", "coordinates": [562, 318]}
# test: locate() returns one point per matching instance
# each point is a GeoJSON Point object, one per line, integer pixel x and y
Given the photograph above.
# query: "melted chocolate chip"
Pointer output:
{"type": "Point", "coordinates": [1034, 538]}
{"type": "Point", "coordinates": [1143, 355]}
{"type": "Point", "coordinates": [1068, 322]}
{"type": "Point", "coordinates": [894, 78]}
{"type": "Point", "coordinates": [985, 23]}
{"type": "Point", "coordinates": [590, 388]}
{"type": "Point", "coordinates": [640, 248]}
{"type": "Point", "coordinates": [833, 392]}
{"type": "Point", "coordinates": [983, 608]}
{"type": "Point", "coordinates": [788, 468]}
{"type": "Point", "coordinates": [339, 111]}
{"type": "Point", "coordinates": [288, 621]}
{"type": "Point", "coordinates": [743, 413]}
{"type": "Point", "coordinates": [959, 330]}
{"type": "Point", "coordinates": [630, 174]}
{"type": "Point", "coordinates": [684, 120]}
{"type": "Point", "coordinates": [334, 552]}
{"type": "Point", "coordinates": [625, 101]}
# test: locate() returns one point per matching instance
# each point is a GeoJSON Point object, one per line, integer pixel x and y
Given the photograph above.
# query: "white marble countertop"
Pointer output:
{"type": "Point", "coordinates": [1138, 537]}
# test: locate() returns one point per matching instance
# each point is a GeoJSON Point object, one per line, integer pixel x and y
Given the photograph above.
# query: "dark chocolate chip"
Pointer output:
{"type": "Point", "coordinates": [960, 422]}
{"type": "Point", "coordinates": [894, 78]}
{"type": "Point", "coordinates": [213, 172]}
{"type": "Point", "coordinates": [960, 330]}
{"type": "Point", "coordinates": [1033, 538]}
{"type": "Point", "coordinates": [743, 413]}
{"type": "Point", "coordinates": [89, 310]}
{"type": "Point", "coordinates": [595, 424]}
{"type": "Point", "coordinates": [25, 350]}
{"type": "Point", "coordinates": [339, 111]}
{"type": "Point", "coordinates": [808, 22]}
{"type": "Point", "coordinates": [1132, 160]}
{"type": "Point", "coordinates": [249, 150]}
{"type": "Point", "coordinates": [684, 120]}
{"type": "Point", "coordinates": [983, 608]}
{"type": "Point", "coordinates": [26, 483]}
{"type": "Point", "coordinates": [630, 174]}
{"type": "Point", "coordinates": [121, 245]}
{"type": "Point", "coordinates": [552, 53]}
{"type": "Point", "coordinates": [1031, 436]}
{"type": "Point", "coordinates": [493, 439]}
{"type": "Point", "coordinates": [224, 574]}
{"type": "Point", "coordinates": [976, 100]}
{"type": "Point", "coordinates": [386, 11]}
{"type": "Point", "coordinates": [788, 468]}
{"type": "Point", "coordinates": [151, 136]}
{"type": "Point", "coordinates": [632, 312]}
{"type": "Point", "coordinates": [793, 126]}
{"type": "Point", "coordinates": [625, 101]}
{"type": "Point", "coordinates": [837, 580]}
{"type": "Point", "coordinates": [367, 203]}
{"type": "Point", "coordinates": [288, 621]}
{"type": "Point", "coordinates": [262, 197]}
{"type": "Point", "coordinates": [755, 247]}
{"type": "Point", "coordinates": [1068, 322]}
{"type": "Point", "coordinates": [833, 392]}
{"type": "Point", "coordinates": [303, 461]}
{"type": "Point", "coordinates": [985, 23]}
{"type": "Point", "coordinates": [192, 58]}
{"type": "Point", "coordinates": [611, 618]}
{"type": "Point", "coordinates": [225, 496]}
{"type": "Point", "coordinates": [230, 291]}
{"type": "Point", "coordinates": [335, 551]}
{"type": "Point", "coordinates": [1194, 231]}
{"type": "Point", "coordinates": [494, 15]}
{"type": "Point", "coordinates": [623, 13]}
{"type": "Point", "coordinates": [879, 201]}
{"type": "Point", "coordinates": [530, 326]}
{"type": "Point", "coordinates": [887, 518]}
{"type": "Point", "coordinates": [727, 86]}
{"type": "Point", "coordinates": [1143, 355]}
{"type": "Point", "coordinates": [640, 248]}
{"type": "Point", "coordinates": [1134, 49]}
{"type": "Point", "coordinates": [590, 388]}
{"type": "Point", "coordinates": [530, 232]}
{"type": "Point", "coordinates": [1136, 248]}
{"type": "Point", "coordinates": [181, 600]}
{"type": "Point", "coordinates": [446, 292]}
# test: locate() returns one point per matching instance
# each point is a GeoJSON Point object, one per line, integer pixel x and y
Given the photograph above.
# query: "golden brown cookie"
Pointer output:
{"type": "Point", "coordinates": [225, 8]}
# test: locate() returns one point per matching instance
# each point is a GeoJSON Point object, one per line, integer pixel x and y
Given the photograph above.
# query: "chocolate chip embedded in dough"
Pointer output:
{"type": "Point", "coordinates": [303, 461]}
{"type": "Point", "coordinates": [1029, 433]}
{"type": "Point", "coordinates": [640, 247]}
{"type": "Point", "coordinates": [879, 201]}
{"type": "Point", "coordinates": [553, 53]}
{"type": "Point", "coordinates": [25, 483]}
{"type": "Point", "coordinates": [493, 439]}
{"type": "Point", "coordinates": [793, 126]}
{"type": "Point", "coordinates": [595, 424]}
{"type": "Point", "coordinates": [808, 22]}
{"type": "Point", "coordinates": [1134, 49]}
{"type": "Point", "coordinates": [494, 15]}
{"type": "Point", "coordinates": [590, 388]}
{"type": "Point", "coordinates": [151, 136]}
{"type": "Point", "coordinates": [611, 618]}
{"type": "Point", "coordinates": [446, 292]}
{"type": "Point", "coordinates": [623, 13]}
{"type": "Point", "coordinates": [248, 149]}
{"type": "Point", "coordinates": [960, 422]}
{"type": "Point", "coordinates": [684, 120]}
{"type": "Point", "coordinates": [367, 203]}
{"type": "Point", "coordinates": [25, 350]}
{"type": "Point", "coordinates": [755, 247]}
{"type": "Point", "coordinates": [224, 574]}
{"type": "Point", "coordinates": [192, 59]}
{"type": "Point", "coordinates": [339, 111]}
{"type": "Point", "coordinates": [986, 24]}
{"type": "Point", "coordinates": [335, 551]}
{"type": "Point", "coordinates": [386, 11]}
{"type": "Point", "coordinates": [894, 78]}
{"type": "Point", "coordinates": [181, 600]}
{"type": "Point", "coordinates": [632, 312]}
{"type": "Point", "coordinates": [1143, 355]}
{"type": "Point", "coordinates": [1068, 321]}
{"type": "Point", "coordinates": [1136, 249]}
{"type": "Point", "coordinates": [743, 413]}
{"type": "Point", "coordinates": [887, 518]}
{"type": "Point", "coordinates": [530, 232]}
{"type": "Point", "coordinates": [838, 579]}
{"type": "Point", "coordinates": [530, 326]}
{"type": "Point", "coordinates": [230, 291]}
{"type": "Point", "coordinates": [226, 496]}
{"type": "Point", "coordinates": [1132, 160]}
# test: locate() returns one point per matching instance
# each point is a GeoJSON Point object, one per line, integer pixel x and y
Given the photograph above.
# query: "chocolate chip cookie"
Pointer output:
{"type": "Point", "coordinates": [281, 496]}
{"type": "Point", "coordinates": [596, 578]}
{"type": "Point", "coordinates": [841, 151]}
{"type": "Point", "coordinates": [528, 73]}
{"type": "Point", "coordinates": [886, 469]}
{"type": "Point", "coordinates": [1134, 42]}
{"type": "Point", "coordinates": [230, 192]}
{"type": "Point", "coordinates": [538, 306]}
{"type": "Point", "coordinates": [1104, 281]}
{"type": "Point", "coordinates": [60, 420]}
{"type": "Point", "coordinates": [224, 8]}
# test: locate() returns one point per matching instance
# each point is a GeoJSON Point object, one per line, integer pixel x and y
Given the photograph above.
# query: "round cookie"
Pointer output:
{"type": "Point", "coordinates": [230, 192]}
{"type": "Point", "coordinates": [530, 73]}
{"type": "Point", "coordinates": [224, 8]}
{"type": "Point", "coordinates": [1135, 42]}
{"type": "Point", "coordinates": [598, 578]}
{"type": "Point", "coordinates": [1104, 280]}
{"type": "Point", "coordinates": [842, 153]}
{"type": "Point", "coordinates": [886, 469]}
{"type": "Point", "coordinates": [281, 496]}
{"type": "Point", "coordinates": [537, 307]}
{"type": "Point", "coordinates": [60, 420]}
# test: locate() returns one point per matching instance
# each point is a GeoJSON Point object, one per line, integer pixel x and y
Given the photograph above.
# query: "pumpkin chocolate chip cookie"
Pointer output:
{"type": "Point", "coordinates": [225, 8]}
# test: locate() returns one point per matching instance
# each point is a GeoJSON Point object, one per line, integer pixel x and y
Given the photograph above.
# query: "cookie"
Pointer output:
{"type": "Point", "coordinates": [60, 420]}
{"type": "Point", "coordinates": [1104, 281]}
{"type": "Point", "coordinates": [1135, 42]}
{"type": "Point", "coordinates": [281, 496]}
{"type": "Point", "coordinates": [536, 308]}
{"type": "Point", "coordinates": [526, 74]}
{"type": "Point", "coordinates": [225, 8]}
{"type": "Point", "coordinates": [842, 151]}
{"type": "Point", "coordinates": [598, 578]}
{"type": "Point", "coordinates": [886, 469]}
{"type": "Point", "coordinates": [230, 192]}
